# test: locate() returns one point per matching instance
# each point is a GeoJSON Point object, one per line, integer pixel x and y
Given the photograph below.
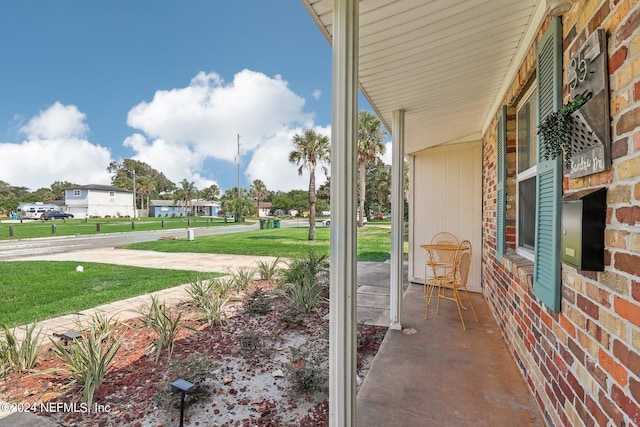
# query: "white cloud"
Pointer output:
{"type": "Point", "coordinates": [181, 128]}
{"type": "Point", "coordinates": [56, 149]}
{"type": "Point", "coordinates": [57, 121]}
{"type": "Point", "coordinates": [316, 94]}
{"type": "Point", "coordinates": [270, 163]}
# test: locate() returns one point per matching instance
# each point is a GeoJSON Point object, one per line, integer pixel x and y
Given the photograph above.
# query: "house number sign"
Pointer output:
{"type": "Point", "coordinates": [590, 136]}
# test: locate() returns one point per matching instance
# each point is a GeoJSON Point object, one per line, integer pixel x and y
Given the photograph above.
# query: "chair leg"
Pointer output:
{"type": "Point", "coordinates": [456, 295]}
{"type": "Point", "coordinates": [429, 289]}
{"type": "Point", "coordinates": [468, 298]}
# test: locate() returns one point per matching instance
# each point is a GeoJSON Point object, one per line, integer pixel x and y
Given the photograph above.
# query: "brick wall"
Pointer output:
{"type": "Point", "coordinates": [582, 364]}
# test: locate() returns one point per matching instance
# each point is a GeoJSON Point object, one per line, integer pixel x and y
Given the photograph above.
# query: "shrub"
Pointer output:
{"type": "Point", "coordinates": [242, 278]}
{"type": "Point", "coordinates": [257, 303]}
{"type": "Point", "coordinates": [212, 310]}
{"type": "Point", "coordinates": [313, 265]}
{"type": "Point", "coordinates": [88, 359]}
{"type": "Point", "coordinates": [19, 356]}
{"type": "Point", "coordinates": [164, 324]}
{"type": "Point", "coordinates": [209, 297]}
{"type": "Point", "coordinates": [308, 373]}
{"type": "Point", "coordinates": [268, 270]}
{"type": "Point", "coordinates": [306, 281]}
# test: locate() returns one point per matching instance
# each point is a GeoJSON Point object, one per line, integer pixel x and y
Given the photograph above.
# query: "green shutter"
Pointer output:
{"type": "Point", "coordinates": [501, 133]}
{"type": "Point", "coordinates": [547, 274]}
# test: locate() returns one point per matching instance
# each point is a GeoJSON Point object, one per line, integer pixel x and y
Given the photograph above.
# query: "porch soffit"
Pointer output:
{"type": "Point", "coordinates": [445, 62]}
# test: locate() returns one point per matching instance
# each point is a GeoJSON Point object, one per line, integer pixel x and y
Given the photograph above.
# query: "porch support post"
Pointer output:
{"type": "Point", "coordinates": [344, 128]}
{"type": "Point", "coordinates": [397, 218]}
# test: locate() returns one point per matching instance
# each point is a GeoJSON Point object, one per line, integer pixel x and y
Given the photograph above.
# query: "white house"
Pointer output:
{"type": "Point", "coordinates": [99, 200]}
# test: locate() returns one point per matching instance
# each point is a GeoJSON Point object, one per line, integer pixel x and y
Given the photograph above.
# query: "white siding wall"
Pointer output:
{"type": "Point", "coordinates": [101, 203]}
{"type": "Point", "coordinates": [446, 195]}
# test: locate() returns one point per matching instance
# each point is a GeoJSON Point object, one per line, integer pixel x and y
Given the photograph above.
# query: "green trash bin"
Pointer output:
{"type": "Point", "coordinates": [263, 224]}
{"type": "Point", "coordinates": [269, 223]}
{"type": "Point", "coordinates": [276, 223]}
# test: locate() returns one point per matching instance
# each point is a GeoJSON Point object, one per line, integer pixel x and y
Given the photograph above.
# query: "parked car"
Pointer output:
{"type": "Point", "coordinates": [327, 222]}
{"type": "Point", "coordinates": [55, 215]}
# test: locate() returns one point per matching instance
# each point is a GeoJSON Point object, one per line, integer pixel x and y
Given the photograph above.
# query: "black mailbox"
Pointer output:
{"type": "Point", "coordinates": [584, 216]}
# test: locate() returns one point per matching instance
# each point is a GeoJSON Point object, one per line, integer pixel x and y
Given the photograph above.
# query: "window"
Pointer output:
{"type": "Point", "coordinates": [112, 193]}
{"type": "Point", "coordinates": [526, 152]}
{"type": "Point", "coordinates": [76, 193]}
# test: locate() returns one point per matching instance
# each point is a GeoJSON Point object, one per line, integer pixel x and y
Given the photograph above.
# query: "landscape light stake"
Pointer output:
{"type": "Point", "coordinates": [181, 386]}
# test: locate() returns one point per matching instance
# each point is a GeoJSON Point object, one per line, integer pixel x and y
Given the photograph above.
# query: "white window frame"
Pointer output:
{"type": "Point", "coordinates": [531, 172]}
{"type": "Point", "coordinates": [77, 193]}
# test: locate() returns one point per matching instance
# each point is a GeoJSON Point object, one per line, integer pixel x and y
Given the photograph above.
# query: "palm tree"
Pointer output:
{"type": "Point", "coordinates": [185, 193]}
{"type": "Point", "coordinates": [309, 149]}
{"type": "Point", "coordinates": [210, 193]}
{"type": "Point", "coordinates": [145, 186]}
{"type": "Point", "coordinates": [258, 191]}
{"type": "Point", "coordinates": [370, 136]}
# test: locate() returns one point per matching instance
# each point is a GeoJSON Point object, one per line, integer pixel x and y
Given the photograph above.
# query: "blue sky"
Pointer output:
{"type": "Point", "coordinates": [170, 83]}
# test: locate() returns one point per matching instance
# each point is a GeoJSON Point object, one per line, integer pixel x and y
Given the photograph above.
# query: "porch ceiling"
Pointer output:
{"type": "Point", "coordinates": [445, 62]}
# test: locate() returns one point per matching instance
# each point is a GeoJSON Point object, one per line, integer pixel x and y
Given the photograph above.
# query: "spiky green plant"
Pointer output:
{"type": "Point", "coordinates": [242, 278]}
{"type": "Point", "coordinates": [315, 265]}
{"type": "Point", "coordinates": [165, 324]}
{"type": "Point", "coordinates": [268, 270]}
{"type": "Point", "coordinates": [304, 294]}
{"type": "Point", "coordinates": [212, 310]}
{"type": "Point", "coordinates": [199, 290]}
{"type": "Point", "coordinates": [19, 356]}
{"type": "Point", "coordinates": [88, 359]}
{"type": "Point", "coordinates": [103, 325]}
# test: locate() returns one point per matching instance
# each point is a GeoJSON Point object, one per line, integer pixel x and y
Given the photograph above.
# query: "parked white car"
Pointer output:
{"type": "Point", "coordinates": [327, 222]}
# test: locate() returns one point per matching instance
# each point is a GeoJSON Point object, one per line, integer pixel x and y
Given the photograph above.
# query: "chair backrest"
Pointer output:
{"type": "Point", "coordinates": [445, 238]}
{"type": "Point", "coordinates": [463, 262]}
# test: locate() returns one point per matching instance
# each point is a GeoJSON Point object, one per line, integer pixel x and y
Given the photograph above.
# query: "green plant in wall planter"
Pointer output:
{"type": "Point", "coordinates": [555, 131]}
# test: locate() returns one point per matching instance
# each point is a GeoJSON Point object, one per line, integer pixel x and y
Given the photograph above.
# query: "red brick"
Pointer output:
{"type": "Point", "coordinates": [627, 357]}
{"type": "Point", "coordinates": [636, 142]}
{"type": "Point", "coordinates": [628, 310]}
{"type": "Point", "coordinates": [627, 405]}
{"type": "Point", "coordinates": [598, 17]}
{"type": "Point", "coordinates": [576, 350]}
{"type": "Point", "coordinates": [628, 121]}
{"type": "Point", "coordinates": [617, 59]}
{"type": "Point", "coordinates": [610, 408]}
{"type": "Point", "coordinates": [616, 370]}
{"type": "Point", "coordinates": [588, 307]}
{"type": "Point", "coordinates": [583, 413]}
{"type": "Point", "coordinates": [628, 263]}
{"type": "Point", "coordinates": [575, 385]}
{"type": "Point", "coordinates": [568, 326]}
{"type": "Point", "coordinates": [600, 417]}
{"type": "Point", "coordinates": [628, 27]}
{"type": "Point", "coordinates": [634, 388]}
{"type": "Point", "coordinates": [619, 148]}
{"type": "Point", "coordinates": [636, 91]}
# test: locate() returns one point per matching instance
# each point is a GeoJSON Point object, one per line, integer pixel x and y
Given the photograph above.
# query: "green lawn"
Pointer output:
{"type": "Point", "coordinates": [38, 290]}
{"type": "Point", "coordinates": [374, 243]}
{"type": "Point", "coordinates": [37, 228]}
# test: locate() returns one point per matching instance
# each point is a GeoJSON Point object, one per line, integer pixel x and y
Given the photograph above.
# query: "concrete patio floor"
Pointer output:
{"type": "Point", "coordinates": [433, 373]}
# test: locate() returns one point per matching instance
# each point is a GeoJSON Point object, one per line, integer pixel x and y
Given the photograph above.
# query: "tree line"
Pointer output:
{"type": "Point", "coordinates": [311, 151]}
